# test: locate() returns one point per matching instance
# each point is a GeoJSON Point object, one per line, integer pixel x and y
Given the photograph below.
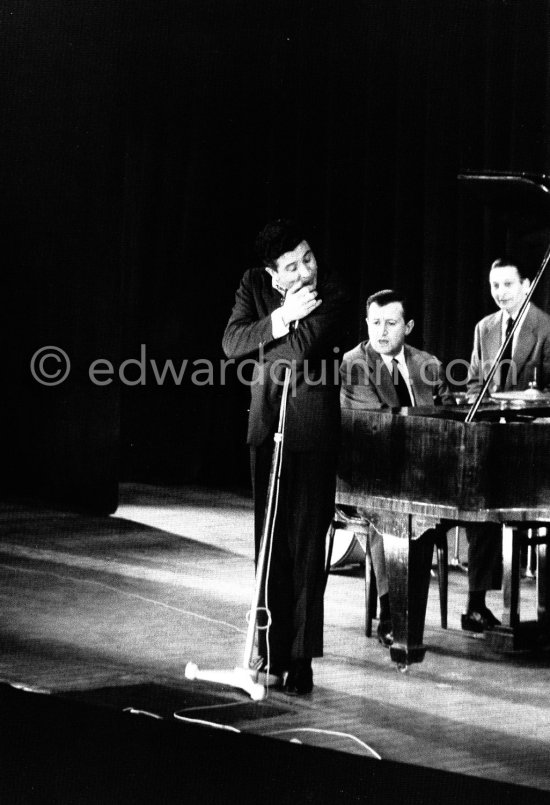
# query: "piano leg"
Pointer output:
{"type": "Point", "coordinates": [510, 578]}
{"type": "Point", "coordinates": [543, 590]}
{"type": "Point", "coordinates": [408, 563]}
{"type": "Point", "coordinates": [510, 635]}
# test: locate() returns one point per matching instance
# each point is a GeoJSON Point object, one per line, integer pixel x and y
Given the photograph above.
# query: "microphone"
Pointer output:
{"type": "Point", "coordinates": [292, 325]}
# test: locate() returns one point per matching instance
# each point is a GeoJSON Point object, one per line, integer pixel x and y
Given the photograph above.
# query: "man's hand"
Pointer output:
{"type": "Point", "coordinates": [299, 303]}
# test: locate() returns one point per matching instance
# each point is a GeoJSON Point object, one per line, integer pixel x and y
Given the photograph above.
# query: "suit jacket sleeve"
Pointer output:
{"type": "Point", "coordinates": [544, 381]}
{"type": "Point", "coordinates": [249, 333]}
{"type": "Point", "coordinates": [356, 392]}
{"type": "Point", "coordinates": [441, 391]}
{"type": "Point", "coordinates": [475, 369]}
{"type": "Point", "coordinates": [246, 332]}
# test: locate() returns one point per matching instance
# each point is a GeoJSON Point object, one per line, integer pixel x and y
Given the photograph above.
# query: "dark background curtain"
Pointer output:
{"type": "Point", "coordinates": [146, 143]}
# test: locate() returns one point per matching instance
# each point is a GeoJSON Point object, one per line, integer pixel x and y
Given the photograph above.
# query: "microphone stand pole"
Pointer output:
{"type": "Point", "coordinates": [243, 677]}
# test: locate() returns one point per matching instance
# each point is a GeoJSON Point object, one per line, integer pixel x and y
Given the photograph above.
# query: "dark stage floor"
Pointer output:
{"type": "Point", "coordinates": [108, 611]}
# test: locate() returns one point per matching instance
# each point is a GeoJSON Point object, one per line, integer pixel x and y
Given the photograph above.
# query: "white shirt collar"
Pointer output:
{"type": "Point", "coordinates": [403, 369]}
{"type": "Point", "coordinates": [400, 358]}
{"type": "Point", "coordinates": [506, 317]}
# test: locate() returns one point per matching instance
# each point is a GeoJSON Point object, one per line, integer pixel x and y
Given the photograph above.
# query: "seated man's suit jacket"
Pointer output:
{"type": "Point", "coordinates": [368, 384]}
{"type": "Point", "coordinates": [532, 351]}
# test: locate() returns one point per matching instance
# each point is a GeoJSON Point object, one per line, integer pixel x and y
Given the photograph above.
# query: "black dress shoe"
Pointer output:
{"type": "Point", "coordinates": [481, 621]}
{"type": "Point", "coordinates": [385, 633]}
{"type": "Point", "coordinates": [299, 681]}
{"type": "Point", "coordinates": [271, 677]}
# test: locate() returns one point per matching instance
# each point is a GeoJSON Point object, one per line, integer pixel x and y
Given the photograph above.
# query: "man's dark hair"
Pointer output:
{"type": "Point", "coordinates": [511, 260]}
{"type": "Point", "coordinates": [386, 297]}
{"type": "Point", "coordinates": [276, 238]}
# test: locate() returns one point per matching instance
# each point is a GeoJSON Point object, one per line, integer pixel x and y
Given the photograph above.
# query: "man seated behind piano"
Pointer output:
{"type": "Point", "coordinates": [527, 361]}
{"type": "Point", "coordinates": [385, 372]}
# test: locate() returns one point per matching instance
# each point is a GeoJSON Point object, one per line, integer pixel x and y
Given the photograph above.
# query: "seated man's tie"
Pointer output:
{"type": "Point", "coordinates": [506, 356]}
{"type": "Point", "coordinates": [401, 387]}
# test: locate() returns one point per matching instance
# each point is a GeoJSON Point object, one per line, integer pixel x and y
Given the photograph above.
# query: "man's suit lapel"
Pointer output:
{"type": "Point", "coordinates": [381, 379]}
{"type": "Point", "coordinates": [493, 334]}
{"type": "Point", "coordinates": [422, 392]}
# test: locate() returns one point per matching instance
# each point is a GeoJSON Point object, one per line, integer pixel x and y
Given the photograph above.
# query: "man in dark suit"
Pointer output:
{"type": "Point", "coordinates": [385, 372]}
{"type": "Point", "coordinates": [288, 312]}
{"type": "Point", "coordinates": [527, 361]}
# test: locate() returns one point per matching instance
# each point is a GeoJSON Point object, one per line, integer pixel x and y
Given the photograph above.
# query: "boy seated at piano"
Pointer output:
{"type": "Point", "coordinates": [385, 372]}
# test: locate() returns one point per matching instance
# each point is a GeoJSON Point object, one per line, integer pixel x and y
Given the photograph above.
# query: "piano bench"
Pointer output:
{"type": "Point", "coordinates": [516, 633]}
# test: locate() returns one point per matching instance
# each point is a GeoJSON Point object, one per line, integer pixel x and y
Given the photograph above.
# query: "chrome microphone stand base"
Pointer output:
{"type": "Point", "coordinates": [242, 678]}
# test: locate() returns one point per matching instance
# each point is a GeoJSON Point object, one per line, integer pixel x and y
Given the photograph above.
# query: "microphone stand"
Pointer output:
{"type": "Point", "coordinates": [243, 677]}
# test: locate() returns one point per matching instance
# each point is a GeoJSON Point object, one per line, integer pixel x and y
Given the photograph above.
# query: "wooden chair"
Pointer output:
{"type": "Point", "coordinates": [509, 634]}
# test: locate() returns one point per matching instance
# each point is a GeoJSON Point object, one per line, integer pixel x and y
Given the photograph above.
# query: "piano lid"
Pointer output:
{"type": "Point", "coordinates": [522, 198]}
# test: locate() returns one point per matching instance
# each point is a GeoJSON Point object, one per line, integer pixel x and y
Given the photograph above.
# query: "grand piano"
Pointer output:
{"type": "Point", "coordinates": [415, 470]}
{"type": "Point", "coordinates": [421, 469]}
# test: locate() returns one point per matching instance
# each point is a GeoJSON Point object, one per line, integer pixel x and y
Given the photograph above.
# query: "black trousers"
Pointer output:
{"type": "Point", "coordinates": [296, 582]}
{"type": "Point", "coordinates": [484, 556]}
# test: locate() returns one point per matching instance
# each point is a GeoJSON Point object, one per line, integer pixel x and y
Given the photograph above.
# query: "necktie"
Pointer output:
{"type": "Point", "coordinates": [400, 386]}
{"type": "Point", "coordinates": [506, 356]}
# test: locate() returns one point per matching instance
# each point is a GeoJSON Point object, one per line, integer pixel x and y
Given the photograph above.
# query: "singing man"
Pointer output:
{"type": "Point", "coordinates": [290, 311]}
